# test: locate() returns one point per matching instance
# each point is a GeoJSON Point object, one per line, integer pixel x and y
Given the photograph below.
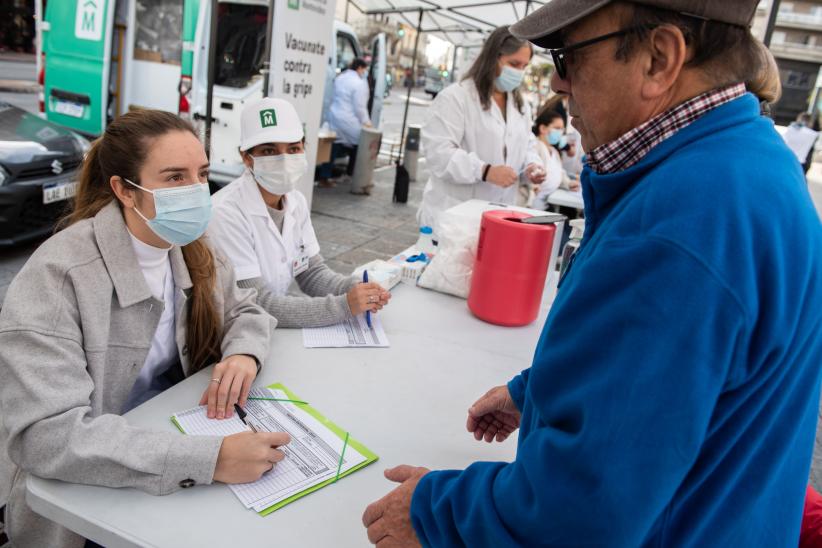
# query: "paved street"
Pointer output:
{"type": "Point", "coordinates": [26, 101]}
{"type": "Point", "coordinates": [22, 68]}
{"type": "Point", "coordinates": [393, 107]}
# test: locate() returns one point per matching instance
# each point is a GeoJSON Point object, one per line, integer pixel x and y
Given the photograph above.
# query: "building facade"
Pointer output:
{"type": "Point", "coordinates": [796, 44]}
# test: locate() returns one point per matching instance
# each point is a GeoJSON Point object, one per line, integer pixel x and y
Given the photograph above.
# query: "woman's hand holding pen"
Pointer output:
{"type": "Point", "coordinates": [367, 296]}
{"type": "Point", "coordinates": [246, 456]}
{"type": "Point", "coordinates": [230, 382]}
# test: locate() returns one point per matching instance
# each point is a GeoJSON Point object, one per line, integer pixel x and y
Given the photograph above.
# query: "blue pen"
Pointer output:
{"type": "Point", "coordinates": [367, 312]}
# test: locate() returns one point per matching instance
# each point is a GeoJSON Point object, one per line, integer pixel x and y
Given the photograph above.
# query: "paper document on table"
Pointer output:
{"type": "Point", "coordinates": [319, 452]}
{"type": "Point", "coordinates": [352, 333]}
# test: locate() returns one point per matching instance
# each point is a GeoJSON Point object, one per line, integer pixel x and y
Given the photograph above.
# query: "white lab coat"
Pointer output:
{"type": "Point", "coordinates": [460, 138]}
{"type": "Point", "coordinates": [242, 228]}
{"type": "Point", "coordinates": [551, 161]}
{"type": "Point", "coordinates": [349, 107]}
{"type": "Point", "coordinates": [800, 140]}
{"type": "Point", "coordinates": [573, 164]}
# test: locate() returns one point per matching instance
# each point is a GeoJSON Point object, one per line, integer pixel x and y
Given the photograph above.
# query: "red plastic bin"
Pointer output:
{"type": "Point", "coordinates": [510, 268]}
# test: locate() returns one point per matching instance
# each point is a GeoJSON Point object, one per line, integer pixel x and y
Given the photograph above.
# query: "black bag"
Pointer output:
{"type": "Point", "coordinates": [401, 182]}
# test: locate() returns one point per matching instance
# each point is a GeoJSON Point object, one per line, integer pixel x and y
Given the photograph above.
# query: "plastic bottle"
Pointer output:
{"type": "Point", "coordinates": [425, 243]}
{"type": "Point", "coordinates": [571, 247]}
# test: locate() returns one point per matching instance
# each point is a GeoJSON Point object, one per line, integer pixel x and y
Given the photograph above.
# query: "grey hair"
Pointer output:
{"type": "Point", "coordinates": [484, 70]}
{"type": "Point", "coordinates": [727, 54]}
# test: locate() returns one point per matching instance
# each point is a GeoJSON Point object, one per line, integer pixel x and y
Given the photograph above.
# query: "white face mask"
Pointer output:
{"type": "Point", "coordinates": [279, 174]}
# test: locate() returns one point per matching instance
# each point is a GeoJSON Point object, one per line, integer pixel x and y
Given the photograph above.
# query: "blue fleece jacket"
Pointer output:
{"type": "Point", "coordinates": [672, 400]}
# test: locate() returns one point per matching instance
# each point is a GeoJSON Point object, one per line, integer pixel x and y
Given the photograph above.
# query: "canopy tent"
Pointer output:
{"type": "Point", "coordinates": [462, 22]}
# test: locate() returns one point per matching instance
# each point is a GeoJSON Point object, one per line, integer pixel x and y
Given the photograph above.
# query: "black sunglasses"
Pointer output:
{"type": "Point", "coordinates": [559, 54]}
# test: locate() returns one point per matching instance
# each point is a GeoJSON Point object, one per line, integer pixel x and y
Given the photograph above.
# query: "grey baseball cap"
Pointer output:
{"type": "Point", "coordinates": [542, 27]}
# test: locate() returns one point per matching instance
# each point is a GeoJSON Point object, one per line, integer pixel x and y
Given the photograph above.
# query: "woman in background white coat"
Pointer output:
{"type": "Point", "coordinates": [478, 140]}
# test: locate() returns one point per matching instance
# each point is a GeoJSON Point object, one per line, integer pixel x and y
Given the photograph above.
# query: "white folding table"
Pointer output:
{"type": "Point", "coordinates": [407, 403]}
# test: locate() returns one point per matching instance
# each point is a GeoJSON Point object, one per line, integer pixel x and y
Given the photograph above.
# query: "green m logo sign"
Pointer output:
{"type": "Point", "coordinates": [268, 117]}
{"type": "Point", "coordinates": [88, 21]}
{"type": "Point", "coordinates": [294, 4]}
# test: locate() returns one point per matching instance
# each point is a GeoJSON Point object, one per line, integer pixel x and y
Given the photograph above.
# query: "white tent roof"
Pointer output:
{"type": "Point", "coordinates": [462, 22]}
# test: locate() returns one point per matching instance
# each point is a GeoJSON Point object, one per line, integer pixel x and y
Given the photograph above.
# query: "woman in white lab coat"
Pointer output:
{"type": "Point", "coordinates": [549, 129]}
{"type": "Point", "coordinates": [263, 224]}
{"type": "Point", "coordinates": [478, 140]}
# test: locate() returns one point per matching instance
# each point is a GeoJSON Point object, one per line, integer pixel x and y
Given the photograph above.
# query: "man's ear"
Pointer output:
{"type": "Point", "coordinates": [123, 191]}
{"type": "Point", "coordinates": [667, 53]}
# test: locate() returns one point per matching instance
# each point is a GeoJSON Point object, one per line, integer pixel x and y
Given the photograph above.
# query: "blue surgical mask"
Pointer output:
{"type": "Point", "coordinates": [181, 213]}
{"type": "Point", "coordinates": [509, 79]}
{"type": "Point", "coordinates": [557, 138]}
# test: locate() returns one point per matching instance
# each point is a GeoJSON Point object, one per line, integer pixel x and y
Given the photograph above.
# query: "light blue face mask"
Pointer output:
{"type": "Point", "coordinates": [509, 79]}
{"type": "Point", "coordinates": [181, 213]}
{"type": "Point", "coordinates": [556, 138]}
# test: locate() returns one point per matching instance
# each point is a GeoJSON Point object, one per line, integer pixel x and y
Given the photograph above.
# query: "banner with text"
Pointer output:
{"type": "Point", "coordinates": [300, 47]}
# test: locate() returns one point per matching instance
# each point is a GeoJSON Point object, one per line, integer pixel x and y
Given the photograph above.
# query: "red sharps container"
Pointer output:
{"type": "Point", "coordinates": [510, 268]}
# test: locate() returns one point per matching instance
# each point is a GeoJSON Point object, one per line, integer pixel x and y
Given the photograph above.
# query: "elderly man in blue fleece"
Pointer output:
{"type": "Point", "coordinates": [673, 396]}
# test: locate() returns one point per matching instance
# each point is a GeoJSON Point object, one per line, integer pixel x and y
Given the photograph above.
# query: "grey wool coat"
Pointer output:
{"type": "Point", "coordinates": [75, 330]}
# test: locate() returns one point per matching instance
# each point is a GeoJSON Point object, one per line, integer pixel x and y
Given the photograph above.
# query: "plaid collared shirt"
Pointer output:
{"type": "Point", "coordinates": [634, 145]}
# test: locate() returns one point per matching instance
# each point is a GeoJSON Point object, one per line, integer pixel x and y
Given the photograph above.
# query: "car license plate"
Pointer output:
{"type": "Point", "coordinates": [56, 192]}
{"type": "Point", "coordinates": [69, 109]}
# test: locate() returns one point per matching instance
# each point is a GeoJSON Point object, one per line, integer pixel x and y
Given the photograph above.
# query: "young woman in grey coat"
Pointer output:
{"type": "Point", "coordinates": [127, 299]}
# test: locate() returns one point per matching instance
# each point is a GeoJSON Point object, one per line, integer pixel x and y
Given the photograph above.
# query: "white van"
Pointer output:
{"type": "Point", "coordinates": [105, 57]}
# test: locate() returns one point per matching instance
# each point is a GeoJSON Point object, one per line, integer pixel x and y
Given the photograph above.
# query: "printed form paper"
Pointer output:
{"type": "Point", "coordinates": [352, 333]}
{"type": "Point", "coordinates": [311, 457]}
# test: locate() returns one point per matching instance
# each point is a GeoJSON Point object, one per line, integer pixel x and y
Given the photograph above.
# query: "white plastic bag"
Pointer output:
{"type": "Point", "coordinates": [451, 268]}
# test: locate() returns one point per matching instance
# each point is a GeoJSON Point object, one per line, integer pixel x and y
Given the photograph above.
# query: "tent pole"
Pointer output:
{"type": "Point", "coordinates": [413, 79]}
{"type": "Point", "coordinates": [401, 177]}
{"type": "Point", "coordinates": [773, 13]}
{"type": "Point", "coordinates": [454, 64]}
{"type": "Point", "coordinates": [266, 70]}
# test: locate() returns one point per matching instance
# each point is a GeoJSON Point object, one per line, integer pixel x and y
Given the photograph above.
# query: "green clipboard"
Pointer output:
{"type": "Point", "coordinates": [369, 455]}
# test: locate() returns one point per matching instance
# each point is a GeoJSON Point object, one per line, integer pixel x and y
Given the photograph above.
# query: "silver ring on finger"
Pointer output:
{"type": "Point", "coordinates": [216, 380]}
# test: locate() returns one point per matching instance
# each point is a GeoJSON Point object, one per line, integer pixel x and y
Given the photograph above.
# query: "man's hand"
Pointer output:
{"type": "Point", "coordinates": [389, 519]}
{"type": "Point", "coordinates": [493, 416]}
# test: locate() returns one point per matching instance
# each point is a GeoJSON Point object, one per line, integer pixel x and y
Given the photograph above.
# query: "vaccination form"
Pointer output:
{"type": "Point", "coordinates": [316, 454]}
{"type": "Point", "coordinates": [352, 333]}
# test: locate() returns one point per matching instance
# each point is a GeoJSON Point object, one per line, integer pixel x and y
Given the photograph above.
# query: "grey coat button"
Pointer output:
{"type": "Point", "coordinates": [185, 350]}
{"type": "Point", "coordinates": [186, 483]}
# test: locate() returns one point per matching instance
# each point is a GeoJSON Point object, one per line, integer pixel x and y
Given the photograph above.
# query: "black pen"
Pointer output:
{"type": "Point", "coordinates": [242, 414]}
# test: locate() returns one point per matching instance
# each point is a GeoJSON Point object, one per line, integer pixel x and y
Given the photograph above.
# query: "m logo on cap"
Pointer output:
{"type": "Point", "coordinates": [268, 117]}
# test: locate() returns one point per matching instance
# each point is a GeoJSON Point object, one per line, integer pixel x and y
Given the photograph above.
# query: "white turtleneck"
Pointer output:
{"type": "Point", "coordinates": [156, 266]}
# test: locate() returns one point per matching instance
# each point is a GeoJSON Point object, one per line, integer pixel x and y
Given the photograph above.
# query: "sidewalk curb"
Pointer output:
{"type": "Point", "coordinates": [19, 86]}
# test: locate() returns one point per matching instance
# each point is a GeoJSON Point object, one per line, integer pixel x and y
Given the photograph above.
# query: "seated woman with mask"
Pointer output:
{"type": "Point", "coordinates": [549, 129]}
{"type": "Point", "coordinates": [264, 226]}
{"type": "Point", "coordinates": [119, 305]}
